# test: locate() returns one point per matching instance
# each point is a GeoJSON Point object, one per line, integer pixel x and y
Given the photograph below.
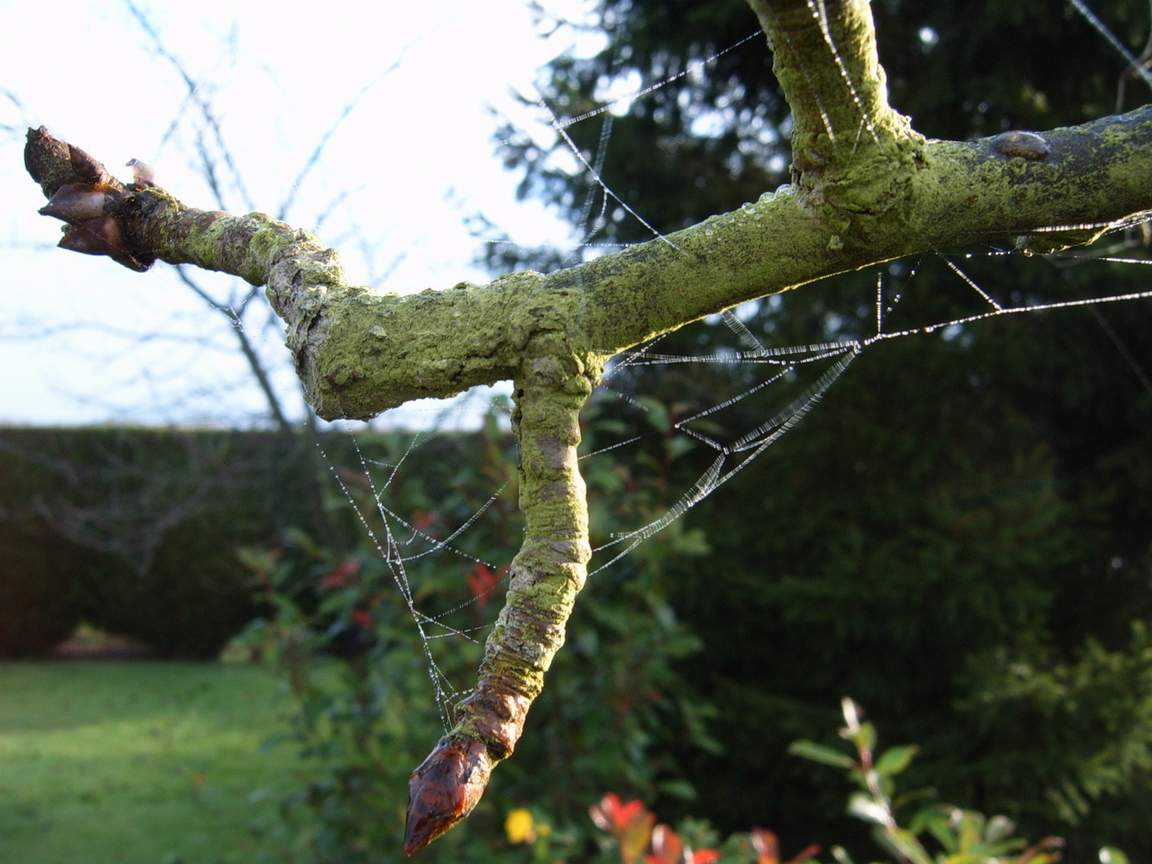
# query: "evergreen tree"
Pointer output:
{"type": "Point", "coordinates": [953, 513]}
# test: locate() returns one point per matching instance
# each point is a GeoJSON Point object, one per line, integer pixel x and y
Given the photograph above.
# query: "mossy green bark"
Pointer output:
{"type": "Point", "coordinates": [359, 351]}
{"type": "Point", "coordinates": [552, 384]}
{"type": "Point", "coordinates": [549, 570]}
{"type": "Point", "coordinates": [824, 56]}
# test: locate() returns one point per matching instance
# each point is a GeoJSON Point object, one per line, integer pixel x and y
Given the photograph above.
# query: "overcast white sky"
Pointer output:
{"type": "Point", "coordinates": [415, 160]}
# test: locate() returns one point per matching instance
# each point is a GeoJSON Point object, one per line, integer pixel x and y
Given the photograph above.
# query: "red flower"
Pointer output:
{"type": "Point", "coordinates": [481, 582]}
{"type": "Point", "coordinates": [422, 519]}
{"type": "Point", "coordinates": [669, 848]}
{"type": "Point", "coordinates": [342, 575]}
{"type": "Point", "coordinates": [809, 852]}
{"type": "Point", "coordinates": [767, 848]}
{"type": "Point", "coordinates": [362, 618]}
{"type": "Point", "coordinates": [629, 822]}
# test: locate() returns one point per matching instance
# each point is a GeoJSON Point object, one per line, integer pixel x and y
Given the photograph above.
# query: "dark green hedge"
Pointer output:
{"type": "Point", "coordinates": [136, 531]}
{"type": "Point", "coordinates": [38, 606]}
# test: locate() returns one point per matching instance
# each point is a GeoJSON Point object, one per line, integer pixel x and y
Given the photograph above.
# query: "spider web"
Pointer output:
{"type": "Point", "coordinates": [786, 382]}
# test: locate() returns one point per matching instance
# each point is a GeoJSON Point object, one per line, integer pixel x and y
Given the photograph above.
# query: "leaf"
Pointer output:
{"type": "Point", "coordinates": [814, 752]}
{"type": "Point", "coordinates": [895, 759]}
{"type": "Point", "coordinates": [677, 447]}
{"type": "Point", "coordinates": [907, 845]}
{"type": "Point", "coordinates": [303, 541]}
{"type": "Point", "coordinates": [865, 737]}
{"type": "Point", "coordinates": [657, 414]}
{"type": "Point", "coordinates": [971, 830]}
{"type": "Point", "coordinates": [999, 828]}
{"type": "Point", "coordinates": [681, 789]}
{"type": "Point", "coordinates": [862, 806]}
{"type": "Point", "coordinates": [851, 713]}
{"type": "Point", "coordinates": [1112, 855]}
{"type": "Point", "coordinates": [935, 820]}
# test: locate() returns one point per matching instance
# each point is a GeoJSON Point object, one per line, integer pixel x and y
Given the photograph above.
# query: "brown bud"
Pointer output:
{"type": "Point", "coordinates": [444, 789]}
{"type": "Point", "coordinates": [100, 236]}
{"type": "Point", "coordinates": [87, 169]}
{"type": "Point", "coordinates": [76, 203]}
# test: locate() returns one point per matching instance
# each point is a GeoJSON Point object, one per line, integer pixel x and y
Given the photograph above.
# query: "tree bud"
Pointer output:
{"type": "Point", "coordinates": [76, 203]}
{"type": "Point", "coordinates": [99, 236]}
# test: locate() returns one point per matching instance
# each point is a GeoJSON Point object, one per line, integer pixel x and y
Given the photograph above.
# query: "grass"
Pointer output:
{"type": "Point", "coordinates": [137, 763]}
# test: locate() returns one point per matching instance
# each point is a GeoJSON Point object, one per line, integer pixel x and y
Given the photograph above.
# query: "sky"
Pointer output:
{"type": "Point", "coordinates": [406, 97]}
{"type": "Point", "coordinates": [411, 95]}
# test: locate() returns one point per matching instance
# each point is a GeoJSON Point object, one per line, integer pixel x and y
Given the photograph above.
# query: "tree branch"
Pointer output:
{"type": "Point", "coordinates": [885, 204]}
{"type": "Point", "coordinates": [824, 56]}
{"type": "Point", "coordinates": [359, 352]}
{"type": "Point", "coordinates": [546, 575]}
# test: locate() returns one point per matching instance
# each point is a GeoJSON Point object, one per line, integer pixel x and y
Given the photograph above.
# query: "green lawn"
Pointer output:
{"type": "Point", "coordinates": [136, 763]}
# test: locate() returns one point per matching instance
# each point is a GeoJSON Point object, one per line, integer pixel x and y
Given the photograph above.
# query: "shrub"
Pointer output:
{"type": "Point", "coordinates": [153, 519]}
{"type": "Point", "coordinates": [37, 605]}
{"type": "Point", "coordinates": [933, 833]}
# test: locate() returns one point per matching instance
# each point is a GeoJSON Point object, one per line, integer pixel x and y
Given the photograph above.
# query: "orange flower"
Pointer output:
{"type": "Point", "coordinates": [629, 822]}
{"type": "Point", "coordinates": [669, 848]}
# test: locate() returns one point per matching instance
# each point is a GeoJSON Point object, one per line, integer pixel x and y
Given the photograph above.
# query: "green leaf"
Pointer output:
{"type": "Point", "coordinates": [935, 820]}
{"type": "Point", "coordinates": [865, 738]}
{"type": "Point", "coordinates": [863, 807]}
{"type": "Point", "coordinates": [681, 789]}
{"type": "Point", "coordinates": [303, 541]}
{"type": "Point", "coordinates": [677, 447]}
{"type": "Point", "coordinates": [657, 413]}
{"type": "Point", "coordinates": [971, 830]}
{"type": "Point", "coordinates": [814, 752]}
{"type": "Point", "coordinates": [895, 759]}
{"type": "Point", "coordinates": [1112, 855]}
{"type": "Point", "coordinates": [905, 842]}
{"type": "Point", "coordinates": [999, 828]}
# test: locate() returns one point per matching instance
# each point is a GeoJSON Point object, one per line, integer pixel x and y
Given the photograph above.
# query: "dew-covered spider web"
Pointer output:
{"type": "Point", "coordinates": [748, 380]}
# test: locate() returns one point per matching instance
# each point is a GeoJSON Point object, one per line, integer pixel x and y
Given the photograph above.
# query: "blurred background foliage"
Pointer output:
{"type": "Point", "coordinates": [958, 536]}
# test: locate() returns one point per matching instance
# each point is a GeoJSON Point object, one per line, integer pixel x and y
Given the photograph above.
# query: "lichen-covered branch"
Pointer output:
{"type": "Point", "coordinates": [889, 202]}
{"type": "Point", "coordinates": [824, 56]}
{"type": "Point", "coordinates": [359, 352]}
{"type": "Point", "coordinates": [546, 576]}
